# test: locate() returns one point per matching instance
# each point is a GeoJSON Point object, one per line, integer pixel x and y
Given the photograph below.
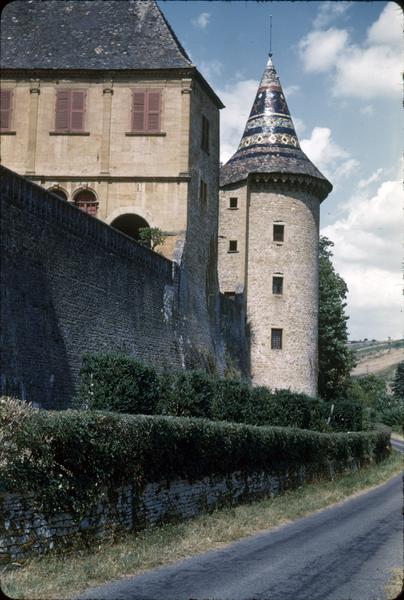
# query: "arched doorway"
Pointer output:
{"type": "Point", "coordinates": [59, 193]}
{"type": "Point", "coordinates": [130, 225]}
{"type": "Point", "coordinates": [86, 200]}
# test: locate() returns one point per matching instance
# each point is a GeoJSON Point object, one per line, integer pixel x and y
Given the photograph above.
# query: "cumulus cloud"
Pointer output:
{"type": "Point", "coordinates": [329, 11]}
{"type": "Point", "coordinates": [367, 254]}
{"type": "Point", "coordinates": [363, 183]}
{"type": "Point", "coordinates": [202, 20]}
{"type": "Point", "coordinates": [353, 67]}
{"type": "Point", "coordinates": [238, 99]}
{"type": "Point", "coordinates": [290, 90]}
{"type": "Point", "coordinates": [319, 50]}
{"type": "Point", "coordinates": [211, 69]}
{"type": "Point", "coordinates": [333, 160]}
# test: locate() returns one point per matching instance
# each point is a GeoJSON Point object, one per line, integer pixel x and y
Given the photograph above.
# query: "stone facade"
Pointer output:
{"type": "Point", "coordinates": [26, 531]}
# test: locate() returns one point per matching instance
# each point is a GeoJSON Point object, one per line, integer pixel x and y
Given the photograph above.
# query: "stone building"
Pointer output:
{"type": "Point", "coordinates": [101, 105]}
{"type": "Point", "coordinates": [268, 241]}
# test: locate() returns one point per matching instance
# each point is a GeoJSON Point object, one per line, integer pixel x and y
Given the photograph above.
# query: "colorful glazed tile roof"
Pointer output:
{"type": "Point", "coordinates": [269, 143]}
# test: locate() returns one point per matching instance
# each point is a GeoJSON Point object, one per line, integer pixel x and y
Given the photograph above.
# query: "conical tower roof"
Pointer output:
{"type": "Point", "coordinates": [269, 143]}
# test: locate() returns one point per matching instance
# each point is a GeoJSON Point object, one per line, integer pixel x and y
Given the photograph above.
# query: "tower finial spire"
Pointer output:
{"type": "Point", "coordinates": [270, 35]}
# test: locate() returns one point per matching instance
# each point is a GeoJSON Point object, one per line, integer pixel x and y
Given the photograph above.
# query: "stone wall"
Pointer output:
{"type": "Point", "coordinates": [72, 284]}
{"type": "Point", "coordinates": [26, 531]}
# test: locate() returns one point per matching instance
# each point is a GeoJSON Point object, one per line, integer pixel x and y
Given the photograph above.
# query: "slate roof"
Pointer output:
{"type": "Point", "coordinates": [269, 143]}
{"type": "Point", "coordinates": [88, 34]}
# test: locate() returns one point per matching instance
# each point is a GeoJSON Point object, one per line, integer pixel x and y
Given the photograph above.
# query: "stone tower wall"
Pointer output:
{"type": "Point", "coordinates": [296, 310]}
{"type": "Point", "coordinates": [232, 226]}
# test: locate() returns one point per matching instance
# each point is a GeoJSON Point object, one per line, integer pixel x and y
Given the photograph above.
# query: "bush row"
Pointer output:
{"type": "Point", "coordinates": [120, 383]}
{"type": "Point", "coordinates": [68, 455]}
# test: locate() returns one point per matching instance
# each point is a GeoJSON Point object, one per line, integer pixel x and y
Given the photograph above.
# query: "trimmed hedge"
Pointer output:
{"type": "Point", "coordinates": [71, 454]}
{"type": "Point", "coordinates": [120, 383]}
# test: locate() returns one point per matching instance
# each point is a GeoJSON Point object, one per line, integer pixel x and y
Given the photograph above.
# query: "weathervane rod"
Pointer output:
{"type": "Point", "coordinates": [270, 35]}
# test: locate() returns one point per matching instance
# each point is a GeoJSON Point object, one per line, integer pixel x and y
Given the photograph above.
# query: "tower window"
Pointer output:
{"type": "Point", "coordinates": [205, 134]}
{"type": "Point", "coordinates": [233, 203]}
{"type": "Point", "coordinates": [233, 246]}
{"type": "Point", "coordinates": [276, 339]}
{"type": "Point", "coordinates": [203, 192]}
{"type": "Point", "coordinates": [279, 233]}
{"type": "Point", "coordinates": [277, 285]}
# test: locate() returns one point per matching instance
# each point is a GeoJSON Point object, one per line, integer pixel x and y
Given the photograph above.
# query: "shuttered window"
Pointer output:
{"type": "Point", "coordinates": [5, 110]}
{"type": "Point", "coordinates": [146, 111]}
{"type": "Point", "coordinates": [70, 110]}
{"type": "Point", "coordinates": [205, 134]}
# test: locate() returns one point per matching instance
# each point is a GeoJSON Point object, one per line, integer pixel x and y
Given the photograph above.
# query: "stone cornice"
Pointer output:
{"type": "Point", "coordinates": [305, 183]}
{"type": "Point", "coordinates": [109, 178]}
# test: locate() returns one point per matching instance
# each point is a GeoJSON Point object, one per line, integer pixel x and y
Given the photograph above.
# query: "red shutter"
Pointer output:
{"type": "Point", "coordinates": [77, 108]}
{"type": "Point", "coordinates": [5, 110]}
{"type": "Point", "coordinates": [153, 111]}
{"type": "Point", "coordinates": [138, 111]}
{"type": "Point", "coordinates": [62, 111]}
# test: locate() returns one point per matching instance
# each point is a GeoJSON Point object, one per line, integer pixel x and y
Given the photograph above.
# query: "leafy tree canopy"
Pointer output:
{"type": "Point", "coordinates": [335, 358]}
{"type": "Point", "coordinates": [151, 237]}
{"type": "Point", "coordinates": [398, 383]}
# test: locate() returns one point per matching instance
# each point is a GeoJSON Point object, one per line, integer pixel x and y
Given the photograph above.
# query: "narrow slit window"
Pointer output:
{"type": "Point", "coordinates": [277, 285]}
{"type": "Point", "coordinates": [279, 233]}
{"type": "Point", "coordinates": [203, 192]}
{"type": "Point", "coordinates": [276, 339]}
{"type": "Point", "coordinates": [233, 246]}
{"type": "Point", "coordinates": [233, 203]}
{"type": "Point", "coordinates": [205, 134]}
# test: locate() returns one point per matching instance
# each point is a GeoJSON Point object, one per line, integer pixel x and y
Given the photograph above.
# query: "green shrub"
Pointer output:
{"type": "Point", "coordinates": [347, 416]}
{"type": "Point", "coordinates": [119, 383]}
{"type": "Point", "coordinates": [186, 394]}
{"type": "Point", "coordinates": [231, 401]}
{"type": "Point", "coordinates": [70, 455]}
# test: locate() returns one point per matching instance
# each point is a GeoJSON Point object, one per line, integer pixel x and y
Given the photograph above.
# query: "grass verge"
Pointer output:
{"type": "Point", "coordinates": [395, 584]}
{"type": "Point", "coordinates": [64, 576]}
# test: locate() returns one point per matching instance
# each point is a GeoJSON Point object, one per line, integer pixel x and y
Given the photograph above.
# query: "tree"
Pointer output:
{"type": "Point", "coordinates": [151, 237]}
{"type": "Point", "coordinates": [398, 383]}
{"type": "Point", "coordinates": [335, 358]}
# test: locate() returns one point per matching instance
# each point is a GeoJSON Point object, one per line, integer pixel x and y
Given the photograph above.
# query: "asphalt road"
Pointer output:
{"type": "Point", "coordinates": [340, 553]}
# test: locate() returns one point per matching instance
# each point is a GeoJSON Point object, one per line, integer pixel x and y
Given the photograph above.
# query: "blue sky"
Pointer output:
{"type": "Point", "coordinates": [339, 64]}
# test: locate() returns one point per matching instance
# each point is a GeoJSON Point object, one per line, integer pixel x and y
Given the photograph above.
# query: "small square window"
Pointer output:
{"type": "Point", "coordinates": [276, 339]}
{"type": "Point", "coordinates": [233, 203]}
{"type": "Point", "coordinates": [277, 285]}
{"type": "Point", "coordinates": [233, 246]}
{"type": "Point", "coordinates": [279, 233]}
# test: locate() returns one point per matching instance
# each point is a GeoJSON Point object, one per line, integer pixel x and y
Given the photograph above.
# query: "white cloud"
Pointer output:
{"type": "Point", "coordinates": [367, 254]}
{"type": "Point", "coordinates": [211, 69]}
{"type": "Point", "coordinates": [367, 110]}
{"type": "Point", "coordinates": [238, 99]}
{"type": "Point", "coordinates": [290, 90]}
{"type": "Point", "coordinates": [329, 11]}
{"type": "Point", "coordinates": [387, 29]}
{"type": "Point", "coordinates": [202, 20]}
{"type": "Point", "coordinates": [368, 71]}
{"type": "Point", "coordinates": [327, 155]}
{"type": "Point", "coordinates": [363, 183]}
{"type": "Point", "coordinates": [319, 49]}
{"type": "Point", "coordinates": [299, 124]}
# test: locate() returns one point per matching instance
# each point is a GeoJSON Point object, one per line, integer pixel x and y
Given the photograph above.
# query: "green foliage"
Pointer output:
{"type": "Point", "coordinates": [151, 237]}
{"type": "Point", "coordinates": [119, 383]}
{"type": "Point", "coordinates": [186, 394]}
{"type": "Point", "coordinates": [335, 358]}
{"type": "Point", "coordinates": [398, 383]}
{"type": "Point", "coordinates": [347, 416]}
{"type": "Point", "coordinates": [70, 456]}
{"type": "Point", "coordinates": [379, 404]}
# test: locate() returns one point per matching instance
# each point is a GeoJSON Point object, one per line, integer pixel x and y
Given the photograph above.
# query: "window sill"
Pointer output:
{"type": "Point", "coordinates": [69, 133]}
{"type": "Point", "coordinates": [232, 251]}
{"type": "Point", "coordinates": [279, 243]}
{"type": "Point", "coordinates": [8, 133]}
{"type": "Point", "coordinates": [232, 207]}
{"type": "Point", "coordinates": [145, 133]}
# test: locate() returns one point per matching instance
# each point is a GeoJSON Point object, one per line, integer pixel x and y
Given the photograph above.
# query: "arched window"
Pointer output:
{"type": "Point", "coordinates": [130, 224]}
{"type": "Point", "coordinates": [59, 192]}
{"type": "Point", "coordinates": [86, 201]}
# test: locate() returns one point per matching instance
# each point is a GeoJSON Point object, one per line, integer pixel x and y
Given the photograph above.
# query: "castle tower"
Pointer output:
{"type": "Point", "coordinates": [268, 241]}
